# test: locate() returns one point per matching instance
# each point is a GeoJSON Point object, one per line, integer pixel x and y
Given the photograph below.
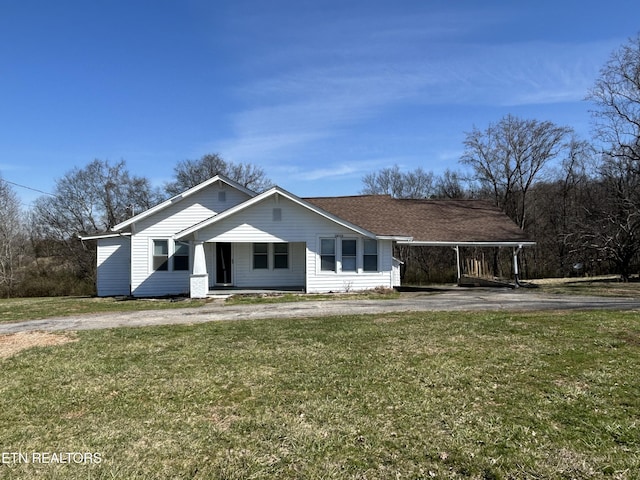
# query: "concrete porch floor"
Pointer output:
{"type": "Point", "coordinates": [225, 292]}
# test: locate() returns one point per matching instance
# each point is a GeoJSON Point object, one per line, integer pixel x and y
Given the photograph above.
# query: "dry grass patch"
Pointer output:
{"type": "Point", "coordinates": [17, 342]}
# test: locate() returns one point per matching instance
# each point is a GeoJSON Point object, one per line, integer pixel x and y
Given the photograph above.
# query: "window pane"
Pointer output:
{"type": "Point", "coordinates": [181, 263]}
{"type": "Point", "coordinates": [182, 249]}
{"type": "Point", "coordinates": [348, 264]}
{"type": "Point", "coordinates": [261, 248]}
{"type": "Point", "coordinates": [281, 261]}
{"type": "Point", "coordinates": [327, 246]}
{"type": "Point", "coordinates": [280, 248]}
{"type": "Point", "coordinates": [370, 247]}
{"type": "Point", "coordinates": [328, 263]}
{"type": "Point", "coordinates": [160, 263]}
{"type": "Point", "coordinates": [370, 263]}
{"type": "Point", "coordinates": [160, 247]}
{"type": "Point", "coordinates": [348, 248]}
{"type": "Point", "coordinates": [260, 261]}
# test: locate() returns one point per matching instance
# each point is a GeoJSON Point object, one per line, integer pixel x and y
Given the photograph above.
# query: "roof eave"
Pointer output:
{"type": "Point", "coordinates": [508, 243]}
{"type": "Point", "coordinates": [103, 235]}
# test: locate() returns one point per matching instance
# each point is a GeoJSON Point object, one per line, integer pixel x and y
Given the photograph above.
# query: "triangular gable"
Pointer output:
{"type": "Point", "coordinates": [180, 197]}
{"type": "Point", "coordinates": [263, 196]}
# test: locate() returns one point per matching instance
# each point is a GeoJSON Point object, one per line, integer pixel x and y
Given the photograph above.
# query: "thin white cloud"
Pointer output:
{"type": "Point", "coordinates": [319, 88]}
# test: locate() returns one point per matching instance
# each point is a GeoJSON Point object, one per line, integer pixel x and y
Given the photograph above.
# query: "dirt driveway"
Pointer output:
{"type": "Point", "coordinates": [445, 300]}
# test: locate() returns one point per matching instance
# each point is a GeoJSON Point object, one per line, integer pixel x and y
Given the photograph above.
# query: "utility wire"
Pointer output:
{"type": "Point", "coordinates": [28, 188]}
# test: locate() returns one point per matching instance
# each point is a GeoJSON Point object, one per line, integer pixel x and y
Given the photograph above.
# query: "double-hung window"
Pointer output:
{"type": "Point", "coordinates": [161, 255]}
{"type": "Point", "coordinates": [370, 256]}
{"type": "Point", "coordinates": [260, 256]}
{"type": "Point", "coordinates": [280, 255]}
{"type": "Point", "coordinates": [349, 255]}
{"type": "Point", "coordinates": [328, 254]}
{"type": "Point", "coordinates": [181, 256]}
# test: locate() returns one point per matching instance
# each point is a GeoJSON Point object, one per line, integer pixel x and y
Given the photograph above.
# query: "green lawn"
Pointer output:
{"type": "Point", "coordinates": [15, 309]}
{"type": "Point", "coordinates": [424, 395]}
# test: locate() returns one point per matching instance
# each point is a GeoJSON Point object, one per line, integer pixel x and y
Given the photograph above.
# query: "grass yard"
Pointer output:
{"type": "Point", "coordinates": [16, 309]}
{"type": "Point", "coordinates": [606, 286]}
{"type": "Point", "coordinates": [425, 395]}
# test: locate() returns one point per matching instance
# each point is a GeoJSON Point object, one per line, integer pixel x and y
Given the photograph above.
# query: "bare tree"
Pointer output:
{"type": "Point", "coordinates": [557, 209]}
{"type": "Point", "coordinates": [93, 199]}
{"type": "Point", "coordinates": [12, 239]}
{"type": "Point", "coordinates": [508, 157]}
{"type": "Point", "coordinates": [87, 200]}
{"type": "Point", "coordinates": [189, 173]}
{"type": "Point", "coordinates": [451, 184]}
{"type": "Point", "coordinates": [616, 95]}
{"type": "Point", "coordinates": [391, 181]}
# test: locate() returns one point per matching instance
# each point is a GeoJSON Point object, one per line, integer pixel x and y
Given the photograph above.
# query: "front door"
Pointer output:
{"type": "Point", "coordinates": [223, 264]}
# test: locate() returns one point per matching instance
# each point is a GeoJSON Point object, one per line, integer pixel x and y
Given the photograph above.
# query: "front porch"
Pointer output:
{"type": "Point", "coordinates": [247, 268]}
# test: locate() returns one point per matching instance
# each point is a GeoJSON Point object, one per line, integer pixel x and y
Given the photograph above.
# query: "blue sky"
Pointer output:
{"type": "Point", "coordinates": [317, 93]}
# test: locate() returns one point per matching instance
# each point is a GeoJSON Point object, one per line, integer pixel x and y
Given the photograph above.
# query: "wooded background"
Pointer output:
{"type": "Point", "coordinates": [579, 199]}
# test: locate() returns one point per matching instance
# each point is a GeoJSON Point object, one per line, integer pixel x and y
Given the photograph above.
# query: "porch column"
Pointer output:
{"type": "Point", "coordinates": [199, 280]}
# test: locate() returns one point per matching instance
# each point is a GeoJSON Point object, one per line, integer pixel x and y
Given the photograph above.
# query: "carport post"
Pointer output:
{"type": "Point", "coordinates": [516, 273]}
{"type": "Point", "coordinates": [457, 249]}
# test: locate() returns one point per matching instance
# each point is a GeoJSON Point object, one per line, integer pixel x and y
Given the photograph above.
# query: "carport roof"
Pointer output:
{"type": "Point", "coordinates": [428, 222]}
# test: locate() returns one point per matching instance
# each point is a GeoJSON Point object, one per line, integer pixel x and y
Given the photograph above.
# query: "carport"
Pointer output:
{"type": "Point", "coordinates": [435, 223]}
{"type": "Point", "coordinates": [475, 274]}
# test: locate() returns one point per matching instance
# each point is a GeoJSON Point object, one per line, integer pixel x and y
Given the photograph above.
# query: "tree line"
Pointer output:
{"type": "Point", "coordinates": [40, 252]}
{"type": "Point", "coordinates": [578, 198]}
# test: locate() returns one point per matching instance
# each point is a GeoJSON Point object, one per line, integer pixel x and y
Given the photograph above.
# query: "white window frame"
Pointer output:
{"type": "Point", "coordinates": [286, 254]}
{"type": "Point", "coordinates": [173, 256]}
{"type": "Point", "coordinates": [355, 256]}
{"type": "Point", "coordinates": [365, 254]}
{"type": "Point", "coordinates": [334, 255]}
{"type": "Point", "coordinates": [261, 254]}
{"type": "Point", "coordinates": [152, 255]}
{"type": "Point", "coordinates": [360, 243]}
{"type": "Point", "coordinates": [171, 249]}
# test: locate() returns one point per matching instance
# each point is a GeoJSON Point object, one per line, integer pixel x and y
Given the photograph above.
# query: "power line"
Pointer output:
{"type": "Point", "coordinates": [28, 188]}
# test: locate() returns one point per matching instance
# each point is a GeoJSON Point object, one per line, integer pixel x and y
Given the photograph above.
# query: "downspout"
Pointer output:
{"type": "Point", "coordinates": [457, 249]}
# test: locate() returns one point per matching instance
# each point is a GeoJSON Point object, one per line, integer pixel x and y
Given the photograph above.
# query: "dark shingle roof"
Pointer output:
{"type": "Point", "coordinates": [425, 220]}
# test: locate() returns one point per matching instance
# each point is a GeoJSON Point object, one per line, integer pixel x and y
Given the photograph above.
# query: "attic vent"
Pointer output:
{"type": "Point", "coordinates": [277, 214]}
{"type": "Point", "coordinates": [222, 196]}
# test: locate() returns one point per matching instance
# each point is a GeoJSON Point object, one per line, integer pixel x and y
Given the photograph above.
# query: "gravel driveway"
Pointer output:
{"type": "Point", "coordinates": [445, 300]}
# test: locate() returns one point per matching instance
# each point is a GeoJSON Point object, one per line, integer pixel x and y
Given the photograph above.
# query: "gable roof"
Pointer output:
{"type": "Point", "coordinates": [274, 191]}
{"type": "Point", "coordinates": [180, 197]}
{"type": "Point", "coordinates": [428, 222]}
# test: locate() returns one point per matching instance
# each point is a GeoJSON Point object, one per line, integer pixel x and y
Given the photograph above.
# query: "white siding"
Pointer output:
{"type": "Point", "coordinates": [300, 225]}
{"type": "Point", "coordinates": [113, 276]}
{"type": "Point", "coordinates": [163, 225]}
{"type": "Point", "coordinates": [247, 276]}
{"type": "Point", "coordinates": [319, 281]}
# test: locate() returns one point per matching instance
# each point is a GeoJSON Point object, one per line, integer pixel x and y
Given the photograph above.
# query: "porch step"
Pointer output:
{"type": "Point", "coordinates": [226, 292]}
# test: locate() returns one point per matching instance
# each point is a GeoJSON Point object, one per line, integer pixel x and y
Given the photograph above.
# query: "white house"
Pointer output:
{"type": "Point", "coordinates": [220, 234]}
